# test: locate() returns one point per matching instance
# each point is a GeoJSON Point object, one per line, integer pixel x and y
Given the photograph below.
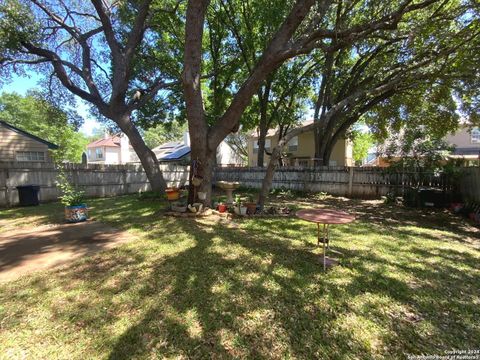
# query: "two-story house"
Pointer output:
{"type": "Point", "coordinates": [300, 150]}
{"type": "Point", "coordinates": [20, 146]}
{"type": "Point", "coordinates": [465, 141]}
{"type": "Point", "coordinates": [112, 149]}
{"type": "Point", "coordinates": [467, 145]}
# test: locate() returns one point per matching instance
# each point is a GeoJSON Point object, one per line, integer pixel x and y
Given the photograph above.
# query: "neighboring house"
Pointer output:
{"type": "Point", "coordinates": [300, 149]}
{"type": "Point", "coordinates": [179, 152]}
{"type": "Point", "coordinates": [18, 145]}
{"type": "Point", "coordinates": [112, 149]}
{"type": "Point", "coordinates": [466, 143]}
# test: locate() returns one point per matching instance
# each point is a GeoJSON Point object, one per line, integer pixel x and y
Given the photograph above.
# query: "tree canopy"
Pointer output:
{"type": "Point", "coordinates": [239, 63]}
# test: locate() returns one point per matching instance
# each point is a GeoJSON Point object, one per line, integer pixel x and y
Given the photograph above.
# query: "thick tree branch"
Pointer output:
{"type": "Point", "coordinates": [271, 59]}
{"type": "Point", "coordinates": [59, 68]}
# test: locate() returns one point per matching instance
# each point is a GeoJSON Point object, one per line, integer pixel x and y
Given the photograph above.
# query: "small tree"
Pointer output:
{"type": "Point", "coordinates": [70, 195]}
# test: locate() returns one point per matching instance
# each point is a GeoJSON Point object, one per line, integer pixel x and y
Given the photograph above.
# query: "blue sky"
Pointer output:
{"type": "Point", "coordinates": [21, 84]}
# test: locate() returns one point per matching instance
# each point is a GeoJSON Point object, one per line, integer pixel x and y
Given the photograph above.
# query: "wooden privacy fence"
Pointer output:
{"type": "Point", "coordinates": [110, 180]}
{"type": "Point", "coordinates": [95, 179]}
{"type": "Point", "coordinates": [359, 182]}
{"type": "Point", "coordinates": [469, 184]}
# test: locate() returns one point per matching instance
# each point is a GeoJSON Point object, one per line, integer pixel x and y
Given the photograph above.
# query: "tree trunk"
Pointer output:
{"type": "Point", "coordinates": [197, 126]}
{"type": "Point", "coordinates": [261, 145]}
{"type": "Point", "coordinates": [147, 157]}
{"type": "Point", "coordinates": [267, 180]}
{"type": "Point", "coordinates": [263, 125]}
{"type": "Point", "coordinates": [205, 159]}
{"type": "Point", "coordinates": [327, 154]}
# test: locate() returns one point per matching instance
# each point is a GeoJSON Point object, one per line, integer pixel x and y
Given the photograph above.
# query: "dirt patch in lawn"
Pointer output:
{"type": "Point", "coordinates": [32, 248]}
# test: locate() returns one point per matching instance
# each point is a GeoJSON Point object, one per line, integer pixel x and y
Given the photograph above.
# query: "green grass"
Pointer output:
{"type": "Point", "coordinates": [408, 283]}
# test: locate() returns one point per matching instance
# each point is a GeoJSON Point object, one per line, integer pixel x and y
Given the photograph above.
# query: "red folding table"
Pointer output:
{"type": "Point", "coordinates": [325, 217]}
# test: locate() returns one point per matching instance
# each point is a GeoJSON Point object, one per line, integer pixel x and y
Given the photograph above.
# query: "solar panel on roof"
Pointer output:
{"type": "Point", "coordinates": [179, 152]}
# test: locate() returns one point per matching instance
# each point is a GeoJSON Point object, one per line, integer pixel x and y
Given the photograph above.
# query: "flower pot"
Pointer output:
{"type": "Point", "coordinates": [222, 208]}
{"type": "Point", "coordinates": [242, 210]}
{"type": "Point", "coordinates": [76, 213]}
{"type": "Point", "coordinates": [179, 207]}
{"type": "Point", "coordinates": [251, 208]}
{"type": "Point", "coordinates": [456, 207]}
{"type": "Point", "coordinates": [172, 194]}
{"type": "Point", "coordinates": [202, 195]}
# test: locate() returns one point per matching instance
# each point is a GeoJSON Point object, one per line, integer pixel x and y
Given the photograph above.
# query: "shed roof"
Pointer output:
{"type": "Point", "coordinates": [171, 151]}
{"type": "Point", "coordinates": [27, 134]}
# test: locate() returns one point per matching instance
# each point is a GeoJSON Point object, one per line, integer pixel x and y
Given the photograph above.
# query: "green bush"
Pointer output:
{"type": "Point", "coordinates": [71, 196]}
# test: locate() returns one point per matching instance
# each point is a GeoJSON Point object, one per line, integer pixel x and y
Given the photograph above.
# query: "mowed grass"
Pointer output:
{"type": "Point", "coordinates": [408, 283]}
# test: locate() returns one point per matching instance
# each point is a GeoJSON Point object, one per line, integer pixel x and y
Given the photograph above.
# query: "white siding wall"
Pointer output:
{"type": "Point", "coordinates": [112, 155]}
{"type": "Point", "coordinates": [462, 139]}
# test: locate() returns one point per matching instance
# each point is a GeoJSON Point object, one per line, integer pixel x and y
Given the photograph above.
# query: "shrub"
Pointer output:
{"type": "Point", "coordinates": [71, 196]}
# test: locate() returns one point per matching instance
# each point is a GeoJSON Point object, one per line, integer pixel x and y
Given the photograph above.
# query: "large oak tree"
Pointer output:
{"type": "Point", "coordinates": [99, 51]}
{"type": "Point", "coordinates": [308, 25]}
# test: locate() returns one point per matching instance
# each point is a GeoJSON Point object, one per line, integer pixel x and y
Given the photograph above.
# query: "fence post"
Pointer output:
{"type": "Point", "coordinates": [350, 181]}
{"type": "Point", "coordinates": [125, 186]}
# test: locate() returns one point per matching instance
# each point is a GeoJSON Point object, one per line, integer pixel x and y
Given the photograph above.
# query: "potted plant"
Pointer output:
{"type": "Point", "coordinates": [240, 209]}
{"type": "Point", "coordinates": [251, 206]}
{"type": "Point", "coordinates": [221, 204]}
{"type": "Point", "coordinates": [172, 193]}
{"type": "Point", "coordinates": [73, 200]}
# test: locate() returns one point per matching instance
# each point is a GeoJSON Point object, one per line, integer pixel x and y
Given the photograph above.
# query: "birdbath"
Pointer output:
{"type": "Point", "coordinates": [228, 187]}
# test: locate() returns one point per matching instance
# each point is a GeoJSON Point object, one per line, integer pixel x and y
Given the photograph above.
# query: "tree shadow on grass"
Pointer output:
{"type": "Point", "coordinates": [258, 291]}
{"type": "Point", "coordinates": [283, 293]}
{"type": "Point", "coordinates": [376, 212]}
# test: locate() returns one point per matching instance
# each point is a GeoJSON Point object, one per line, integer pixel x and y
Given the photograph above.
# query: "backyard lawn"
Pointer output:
{"type": "Point", "coordinates": [408, 283]}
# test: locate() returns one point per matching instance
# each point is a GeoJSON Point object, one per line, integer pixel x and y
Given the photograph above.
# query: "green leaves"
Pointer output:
{"type": "Point", "coordinates": [70, 196]}
{"type": "Point", "coordinates": [16, 26]}
{"type": "Point", "coordinates": [34, 114]}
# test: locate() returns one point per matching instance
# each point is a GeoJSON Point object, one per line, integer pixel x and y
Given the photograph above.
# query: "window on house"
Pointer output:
{"type": "Point", "coordinates": [268, 143]}
{"type": "Point", "coordinates": [475, 136]}
{"type": "Point", "coordinates": [89, 153]}
{"type": "Point", "coordinates": [255, 146]}
{"type": "Point", "coordinates": [293, 144]}
{"type": "Point", "coordinates": [30, 156]}
{"type": "Point", "coordinates": [99, 153]}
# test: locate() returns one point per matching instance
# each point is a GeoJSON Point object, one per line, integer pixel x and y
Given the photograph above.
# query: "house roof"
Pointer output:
{"type": "Point", "coordinates": [27, 134]}
{"type": "Point", "coordinates": [273, 132]}
{"type": "Point", "coordinates": [171, 151]}
{"type": "Point", "coordinates": [467, 151]}
{"type": "Point", "coordinates": [111, 141]}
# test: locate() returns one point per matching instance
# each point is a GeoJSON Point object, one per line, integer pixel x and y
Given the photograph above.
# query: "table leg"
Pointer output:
{"type": "Point", "coordinates": [325, 240]}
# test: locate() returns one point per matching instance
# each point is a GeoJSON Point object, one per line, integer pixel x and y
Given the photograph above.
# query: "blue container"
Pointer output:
{"type": "Point", "coordinates": [76, 213]}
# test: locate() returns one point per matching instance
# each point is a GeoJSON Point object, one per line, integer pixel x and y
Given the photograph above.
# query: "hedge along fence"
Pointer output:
{"type": "Point", "coordinates": [358, 182]}
{"type": "Point", "coordinates": [110, 180]}
{"type": "Point", "coordinates": [95, 179]}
